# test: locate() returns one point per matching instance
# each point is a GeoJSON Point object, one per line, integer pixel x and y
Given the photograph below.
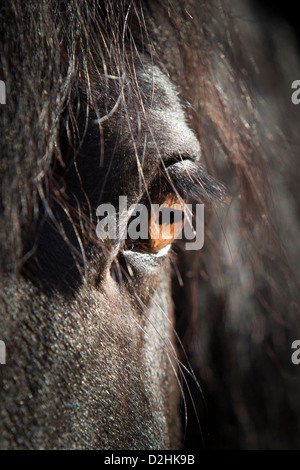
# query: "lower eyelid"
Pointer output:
{"type": "Point", "coordinates": [147, 257]}
{"type": "Point", "coordinates": [160, 254]}
{"type": "Point", "coordinates": [163, 252]}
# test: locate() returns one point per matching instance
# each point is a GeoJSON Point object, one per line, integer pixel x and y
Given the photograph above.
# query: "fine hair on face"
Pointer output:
{"type": "Point", "coordinates": [148, 341]}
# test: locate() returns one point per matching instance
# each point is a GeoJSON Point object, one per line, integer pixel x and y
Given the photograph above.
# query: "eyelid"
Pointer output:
{"type": "Point", "coordinates": [160, 254]}
{"type": "Point", "coordinates": [193, 183]}
{"type": "Point", "coordinates": [163, 252]}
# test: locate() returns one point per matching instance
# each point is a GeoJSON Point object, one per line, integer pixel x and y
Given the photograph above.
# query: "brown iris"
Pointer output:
{"type": "Point", "coordinates": [165, 223]}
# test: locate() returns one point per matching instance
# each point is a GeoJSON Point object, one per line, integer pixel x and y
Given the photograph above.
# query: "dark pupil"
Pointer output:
{"type": "Point", "coordinates": [170, 219]}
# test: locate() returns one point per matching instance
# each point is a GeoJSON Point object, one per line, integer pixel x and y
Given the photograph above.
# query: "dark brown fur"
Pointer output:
{"type": "Point", "coordinates": [91, 359]}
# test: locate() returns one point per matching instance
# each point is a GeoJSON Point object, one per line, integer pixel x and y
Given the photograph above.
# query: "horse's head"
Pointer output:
{"type": "Point", "coordinates": [111, 108]}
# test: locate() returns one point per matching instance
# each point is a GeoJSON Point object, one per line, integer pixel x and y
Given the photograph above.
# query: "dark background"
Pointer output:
{"type": "Point", "coordinates": [283, 10]}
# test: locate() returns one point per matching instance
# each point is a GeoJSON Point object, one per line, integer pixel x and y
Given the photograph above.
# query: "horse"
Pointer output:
{"type": "Point", "coordinates": [115, 343]}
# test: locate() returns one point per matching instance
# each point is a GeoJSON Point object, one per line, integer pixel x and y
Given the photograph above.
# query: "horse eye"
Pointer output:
{"type": "Point", "coordinates": [164, 220]}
